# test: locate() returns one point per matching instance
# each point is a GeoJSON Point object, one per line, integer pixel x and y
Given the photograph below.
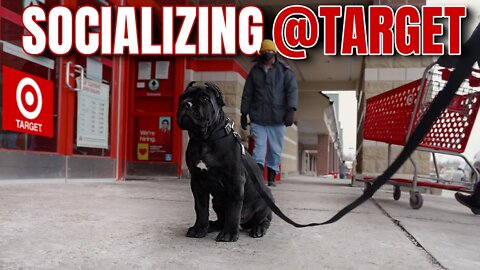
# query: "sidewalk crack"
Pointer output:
{"type": "Point", "coordinates": [412, 238]}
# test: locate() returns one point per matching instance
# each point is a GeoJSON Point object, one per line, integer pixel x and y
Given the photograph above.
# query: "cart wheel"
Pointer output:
{"type": "Point", "coordinates": [416, 200]}
{"type": "Point", "coordinates": [397, 193]}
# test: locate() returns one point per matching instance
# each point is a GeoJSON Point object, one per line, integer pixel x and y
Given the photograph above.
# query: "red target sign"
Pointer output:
{"type": "Point", "coordinates": [27, 103]}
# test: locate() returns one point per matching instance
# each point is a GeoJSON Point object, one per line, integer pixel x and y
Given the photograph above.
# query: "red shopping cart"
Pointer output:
{"type": "Point", "coordinates": [392, 116]}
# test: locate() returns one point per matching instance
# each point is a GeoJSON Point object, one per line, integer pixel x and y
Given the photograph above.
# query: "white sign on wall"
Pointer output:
{"type": "Point", "coordinates": [161, 70]}
{"type": "Point", "coordinates": [92, 115]}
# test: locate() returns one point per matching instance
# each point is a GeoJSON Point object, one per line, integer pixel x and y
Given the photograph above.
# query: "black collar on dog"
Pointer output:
{"type": "Point", "coordinates": [224, 132]}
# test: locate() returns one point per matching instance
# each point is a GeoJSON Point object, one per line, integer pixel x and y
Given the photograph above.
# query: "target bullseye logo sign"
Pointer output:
{"type": "Point", "coordinates": [27, 103]}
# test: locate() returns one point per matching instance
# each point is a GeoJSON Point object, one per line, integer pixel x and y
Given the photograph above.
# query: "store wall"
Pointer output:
{"type": "Point", "coordinates": [290, 153]}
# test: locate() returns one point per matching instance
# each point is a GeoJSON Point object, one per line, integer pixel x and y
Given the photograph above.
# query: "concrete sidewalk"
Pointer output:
{"type": "Point", "coordinates": [142, 225]}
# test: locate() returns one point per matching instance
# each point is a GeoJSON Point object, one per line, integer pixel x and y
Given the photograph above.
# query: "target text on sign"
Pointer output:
{"type": "Point", "coordinates": [25, 125]}
{"type": "Point", "coordinates": [380, 31]}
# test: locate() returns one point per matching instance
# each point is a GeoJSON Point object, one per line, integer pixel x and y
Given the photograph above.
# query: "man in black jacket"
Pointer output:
{"type": "Point", "coordinates": [270, 98]}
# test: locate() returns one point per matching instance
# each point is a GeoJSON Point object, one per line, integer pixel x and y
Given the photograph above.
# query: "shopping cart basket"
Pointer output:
{"type": "Point", "coordinates": [392, 116]}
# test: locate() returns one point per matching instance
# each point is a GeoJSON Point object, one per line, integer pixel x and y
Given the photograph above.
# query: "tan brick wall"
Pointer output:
{"type": "Point", "coordinates": [398, 61]}
{"type": "Point", "coordinates": [376, 159]}
{"type": "Point", "coordinates": [290, 151]}
{"type": "Point", "coordinates": [375, 88]}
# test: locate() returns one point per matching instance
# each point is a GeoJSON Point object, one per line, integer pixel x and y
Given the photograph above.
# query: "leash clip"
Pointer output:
{"type": "Point", "coordinates": [229, 126]}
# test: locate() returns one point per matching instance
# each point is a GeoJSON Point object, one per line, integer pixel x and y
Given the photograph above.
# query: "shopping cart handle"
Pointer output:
{"type": "Point", "coordinates": [474, 81]}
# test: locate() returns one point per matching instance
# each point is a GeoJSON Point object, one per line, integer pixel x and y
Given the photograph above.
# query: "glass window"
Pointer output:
{"type": "Point", "coordinates": [20, 141]}
{"type": "Point", "coordinates": [12, 55]}
{"type": "Point", "coordinates": [99, 70]}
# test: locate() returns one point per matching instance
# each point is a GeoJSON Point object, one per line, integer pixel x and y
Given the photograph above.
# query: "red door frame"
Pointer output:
{"type": "Point", "coordinates": [65, 110]}
{"type": "Point", "coordinates": [178, 84]}
{"type": "Point", "coordinates": [66, 98]}
{"type": "Point", "coordinates": [180, 66]}
{"type": "Point", "coordinates": [121, 78]}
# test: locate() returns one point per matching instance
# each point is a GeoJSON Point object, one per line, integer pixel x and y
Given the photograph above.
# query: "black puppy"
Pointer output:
{"type": "Point", "coordinates": [215, 161]}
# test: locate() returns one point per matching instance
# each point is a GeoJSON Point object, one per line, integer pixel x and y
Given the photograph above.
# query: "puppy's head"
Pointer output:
{"type": "Point", "coordinates": [200, 108]}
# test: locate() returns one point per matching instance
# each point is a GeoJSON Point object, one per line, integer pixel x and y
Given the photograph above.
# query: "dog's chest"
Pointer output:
{"type": "Point", "coordinates": [205, 163]}
{"type": "Point", "coordinates": [203, 159]}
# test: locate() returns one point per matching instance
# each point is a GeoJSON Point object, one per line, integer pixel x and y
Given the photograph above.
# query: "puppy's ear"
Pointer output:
{"type": "Point", "coordinates": [191, 84]}
{"type": "Point", "coordinates": [188, 89]}
{"type": "Point", "coordinates": [218, 93]}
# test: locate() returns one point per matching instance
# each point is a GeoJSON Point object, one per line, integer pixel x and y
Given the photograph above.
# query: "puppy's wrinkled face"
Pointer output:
{"type": "Point", "coordinates": [198, 110]}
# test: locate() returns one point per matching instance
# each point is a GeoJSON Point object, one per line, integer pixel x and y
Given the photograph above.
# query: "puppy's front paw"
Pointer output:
{"type": "Point", "coordinates": [197, 232]}
{"type": "Point", "coordinates": [215, 226]}
{"type": "Point", "coordinates": [224, 236]}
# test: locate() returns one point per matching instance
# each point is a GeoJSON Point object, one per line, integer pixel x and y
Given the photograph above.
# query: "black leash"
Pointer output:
{"type": "Point", "coordinates": [257, 178]}
{"type": "Point", "coordinates": [463, 68]}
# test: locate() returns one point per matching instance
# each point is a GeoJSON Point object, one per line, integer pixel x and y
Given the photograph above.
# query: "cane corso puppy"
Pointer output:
{"type": "Point", "coordinates": [215, 159]}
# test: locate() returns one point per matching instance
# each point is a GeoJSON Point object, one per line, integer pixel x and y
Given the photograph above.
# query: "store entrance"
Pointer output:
{"type": "Point", "coordinates": [154, 145]}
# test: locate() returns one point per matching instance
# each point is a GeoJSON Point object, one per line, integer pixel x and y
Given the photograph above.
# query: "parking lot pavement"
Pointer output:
{"type": "Point", "coordinates": [142, 225]}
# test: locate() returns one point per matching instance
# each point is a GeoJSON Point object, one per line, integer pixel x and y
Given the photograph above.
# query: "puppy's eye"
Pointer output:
{"type": "Point", "coordinates": [204, 99]}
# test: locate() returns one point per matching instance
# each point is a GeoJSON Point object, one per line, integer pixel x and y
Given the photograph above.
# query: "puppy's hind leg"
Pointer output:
{"type": "Point", "coordinates": [259, 229]}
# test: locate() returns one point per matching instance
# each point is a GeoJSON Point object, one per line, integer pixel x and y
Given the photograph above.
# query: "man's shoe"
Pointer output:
{"type": "Point", "coordinates": [468, 201]}
{"type": "Point", "coordinates": [271, 178]}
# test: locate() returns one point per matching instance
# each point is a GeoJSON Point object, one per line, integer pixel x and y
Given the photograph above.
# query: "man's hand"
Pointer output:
{"type": "Point", "coordinates": [244, 121]}
{"type": "Point", "coordinates": [289, 115]}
